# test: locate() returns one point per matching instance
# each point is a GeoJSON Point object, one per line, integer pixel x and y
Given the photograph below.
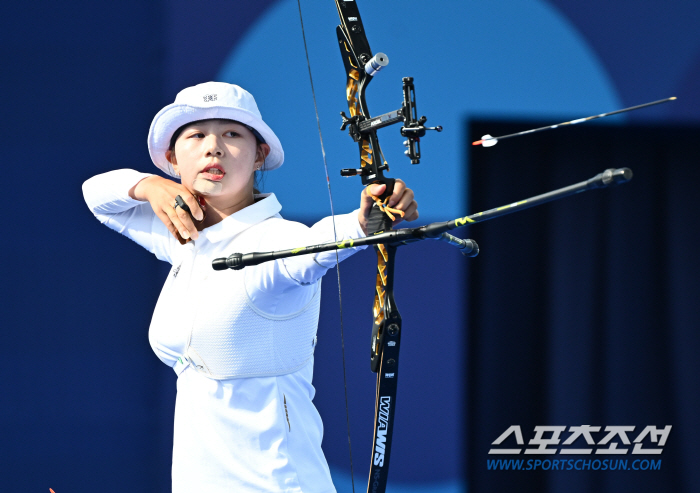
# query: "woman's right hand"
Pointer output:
{"type": "Point", "coordinates": [160, 193]}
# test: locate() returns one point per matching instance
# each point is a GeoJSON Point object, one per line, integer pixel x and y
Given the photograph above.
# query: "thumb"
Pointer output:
{"type": "Point", "coordinates": [376, 189]}
{"type": "Point", "coordinates": [367, 201]}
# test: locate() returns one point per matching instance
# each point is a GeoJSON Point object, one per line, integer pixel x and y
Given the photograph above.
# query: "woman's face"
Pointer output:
{"type": "Point", "coordinates": [218, 158]}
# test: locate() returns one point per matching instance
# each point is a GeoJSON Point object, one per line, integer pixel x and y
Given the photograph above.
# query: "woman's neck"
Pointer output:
{"type": "Point", "coordinates": [217, 211]}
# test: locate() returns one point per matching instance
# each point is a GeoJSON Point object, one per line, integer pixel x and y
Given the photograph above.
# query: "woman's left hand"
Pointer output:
{"type": "Point", "coordinates": [401, 199]}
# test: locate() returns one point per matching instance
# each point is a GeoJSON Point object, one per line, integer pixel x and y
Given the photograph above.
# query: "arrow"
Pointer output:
{"type": "Point", "coordinates": [488, 141]}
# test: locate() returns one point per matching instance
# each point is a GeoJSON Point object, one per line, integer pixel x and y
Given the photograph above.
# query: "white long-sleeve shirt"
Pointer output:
{"type": "Point", "coordinates": [244, 420]}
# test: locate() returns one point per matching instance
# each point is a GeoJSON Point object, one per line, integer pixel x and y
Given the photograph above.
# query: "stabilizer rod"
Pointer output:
{"type": "Point", "coordinates": [438, 230]}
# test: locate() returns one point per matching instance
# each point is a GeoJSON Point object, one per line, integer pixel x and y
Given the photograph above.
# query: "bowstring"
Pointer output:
{"type": "Point", "coordinates": [335, 238]}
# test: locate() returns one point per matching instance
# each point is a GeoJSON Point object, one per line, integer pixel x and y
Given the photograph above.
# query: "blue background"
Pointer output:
{"type": "Point", "coordinates": [86, 406]}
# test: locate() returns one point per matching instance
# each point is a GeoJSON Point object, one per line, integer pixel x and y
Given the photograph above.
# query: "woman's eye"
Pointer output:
{"type": "Point", "coordinates": [232, 133]}
{"type": "Point", "coordinates": [197, 135]}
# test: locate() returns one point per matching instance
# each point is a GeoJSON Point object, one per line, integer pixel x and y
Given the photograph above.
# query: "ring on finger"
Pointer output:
{"type": "Point", "coordinates": [181, 204]}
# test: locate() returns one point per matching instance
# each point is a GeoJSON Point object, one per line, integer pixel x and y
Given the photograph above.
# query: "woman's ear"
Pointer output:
{"type": "Point", "coordinates": [262, 152]}
{"type": "Point", "coordinates": [170, 156]}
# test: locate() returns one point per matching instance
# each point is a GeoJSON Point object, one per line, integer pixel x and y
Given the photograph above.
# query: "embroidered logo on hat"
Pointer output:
{"type": "Point", "coordinates": [209, 97]}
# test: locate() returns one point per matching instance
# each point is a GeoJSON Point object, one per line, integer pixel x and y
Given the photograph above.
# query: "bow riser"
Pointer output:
{"type": "Point", "coordinates": [355, 52]}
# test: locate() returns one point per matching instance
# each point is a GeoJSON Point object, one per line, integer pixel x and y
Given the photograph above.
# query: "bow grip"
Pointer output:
{"type": "Point", "coordinates": [378, 221]}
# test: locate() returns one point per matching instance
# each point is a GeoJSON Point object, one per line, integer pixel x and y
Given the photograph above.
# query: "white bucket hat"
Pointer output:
{"type": "Point", "coordinates": [208, 101]}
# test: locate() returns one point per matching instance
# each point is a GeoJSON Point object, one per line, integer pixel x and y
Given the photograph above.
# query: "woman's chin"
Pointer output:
{"type": "Point", "coordinates": [207, 187]}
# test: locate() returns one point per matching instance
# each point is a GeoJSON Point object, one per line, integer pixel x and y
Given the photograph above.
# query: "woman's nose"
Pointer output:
{"type": "Point", "coordinates": [213, 146]}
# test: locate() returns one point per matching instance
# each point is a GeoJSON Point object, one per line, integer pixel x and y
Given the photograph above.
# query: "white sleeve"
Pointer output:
{"type": "Point", "coordinates": [285, 286]}
{"type": "Point", "coordinates": [107, 196]}
{"type": "Point", "coordinates": [307, 269]}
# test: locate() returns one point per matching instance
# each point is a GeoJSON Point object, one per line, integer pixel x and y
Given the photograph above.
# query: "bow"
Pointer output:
{"type": "Point", "coordinates": [361, 66]}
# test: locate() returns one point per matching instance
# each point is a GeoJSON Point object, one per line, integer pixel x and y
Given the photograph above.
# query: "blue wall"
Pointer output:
{"type": "Point", "coordinates": [86, 406]}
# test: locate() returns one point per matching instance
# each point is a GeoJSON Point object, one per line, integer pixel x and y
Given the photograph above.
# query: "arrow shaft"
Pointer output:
{"type": "Point", "coordinates": [574, 122]}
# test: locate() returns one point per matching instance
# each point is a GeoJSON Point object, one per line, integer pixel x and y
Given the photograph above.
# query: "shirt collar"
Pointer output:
{"type": "Point", "coordinates": [267, 206]}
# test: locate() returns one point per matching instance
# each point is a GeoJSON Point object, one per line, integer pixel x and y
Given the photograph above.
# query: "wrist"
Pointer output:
{"type": "Point", "coordinates": [140, 190]}
{"type": "Point", "coordinates": [362, 220]}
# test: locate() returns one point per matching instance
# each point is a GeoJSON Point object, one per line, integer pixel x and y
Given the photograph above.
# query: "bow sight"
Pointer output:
{"type": "Point", "coordinates": [412, 128]}
{"type": "Point", "coordinates": [361, 67]}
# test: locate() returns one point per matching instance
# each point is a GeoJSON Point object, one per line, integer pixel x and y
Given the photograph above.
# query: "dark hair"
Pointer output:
{"type": "Point", "coordinates": [258, 140]}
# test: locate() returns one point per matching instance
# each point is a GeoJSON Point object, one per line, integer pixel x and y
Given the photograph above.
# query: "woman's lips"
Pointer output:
{"type": "Point", "coordinates": [211, 176]}
{"type": "Point", "coordinates": [213, 173]}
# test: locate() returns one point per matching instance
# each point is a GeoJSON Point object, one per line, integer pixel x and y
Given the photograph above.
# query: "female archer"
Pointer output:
{"type": "Point", "coordinates": [241, 342]}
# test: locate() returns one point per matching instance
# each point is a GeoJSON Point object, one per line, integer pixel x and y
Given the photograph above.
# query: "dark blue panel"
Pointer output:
{"type": "Point", "coordinates": [582, 310]}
